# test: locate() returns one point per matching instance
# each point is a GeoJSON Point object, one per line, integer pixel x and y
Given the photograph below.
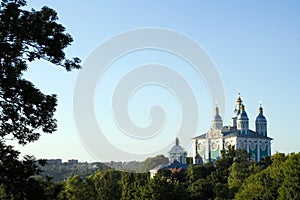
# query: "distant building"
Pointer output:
{"type": "Point", "coordinates": [54, 161]}
{"type": "Point", "coordinates": [73, 162]}
{"type": "Point", "coordinates": [177, 158]}
{"type": "Point", "coordinates": [208, 146]}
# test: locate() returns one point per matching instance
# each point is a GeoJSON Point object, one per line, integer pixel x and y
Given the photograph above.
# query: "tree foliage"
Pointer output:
{"type": "Point", "coordinates": [25, 112]}
{"type": "Point", "coordinates": [290, 187]}
{"type": "Point", "coordinates": [245, 180]}
{"type": "Point", "coordinates": [280, 180]}
{"type": "Point", "coordinates": [24, 37]}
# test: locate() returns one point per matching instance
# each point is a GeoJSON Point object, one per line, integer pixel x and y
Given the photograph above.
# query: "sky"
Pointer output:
{"type": "Point", "coordinates": [254, 45]}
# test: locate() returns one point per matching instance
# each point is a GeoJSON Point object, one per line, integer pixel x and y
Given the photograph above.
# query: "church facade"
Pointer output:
{"type": "Point", "coordinates": [207, 147]}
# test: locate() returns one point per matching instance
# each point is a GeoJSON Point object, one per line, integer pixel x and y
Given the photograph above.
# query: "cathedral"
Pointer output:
{"type": "Point", "coordinates": [207, 147]}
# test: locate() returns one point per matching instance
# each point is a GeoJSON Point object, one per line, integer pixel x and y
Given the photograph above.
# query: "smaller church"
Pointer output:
{"type": "Point", "coordinates": [177, 160]}
{"type": "Point", "coordinates": [207, 147]}
{"type": "Point", "coordinates": [177, 153]}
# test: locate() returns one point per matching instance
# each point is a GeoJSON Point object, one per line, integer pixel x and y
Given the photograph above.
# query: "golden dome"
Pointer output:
{"type": "Point", "coordinates": [239, 101]}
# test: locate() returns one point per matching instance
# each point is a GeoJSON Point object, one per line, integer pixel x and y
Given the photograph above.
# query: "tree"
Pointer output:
{"type": "Point", "coordinates": [200, 189]}
{"type": "Point", "coordinates": [238, 173]}
{"type": "Point", "coordinates": [266, 183]}
{"type": "Point", "coordinates": [290, 188]}
{"type": "Point", "coordinates": [25, 111]}
{"type": "Point", "coordinates": [77, 189]}
{"type": "Point", "coordinates": [199, 172]}
{"type": "Point", "coordinates": [39, 188]}
{"type": "Point", "coordinates": [258, 186]}
{"type": "Point", "coordinates": [239, 170]}
{"type": "Point", "coordinates": [15, 174]}
{"type": "Point", "coordinates": [106, 185]}
{"type": "Point", "coordinates": [163, 187]}
{"type": "Point", "coordinates": [140, 181]}
{"type": "Point", "coordinates": [150, 163]}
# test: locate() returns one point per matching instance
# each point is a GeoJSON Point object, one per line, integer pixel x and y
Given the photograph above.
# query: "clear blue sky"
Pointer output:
{"type": "Point", "coordinates": [255, 46]}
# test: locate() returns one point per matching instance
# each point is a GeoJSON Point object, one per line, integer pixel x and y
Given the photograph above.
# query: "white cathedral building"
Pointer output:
{"type": "Point", "coordinates": [208, 146]}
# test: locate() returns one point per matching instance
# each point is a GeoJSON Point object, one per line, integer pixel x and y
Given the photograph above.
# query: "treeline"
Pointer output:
{"type": "Point", "coordinates": [234, 176]}
{"type": "Point", "coordinates": [136, 166]}
{"type": "Point", "coordinates": [150, 163]}
{"type": "Point", "coordinates": [62, 171]}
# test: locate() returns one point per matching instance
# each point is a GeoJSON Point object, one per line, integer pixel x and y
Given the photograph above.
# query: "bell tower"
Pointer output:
{"type": "Point", "coordinates": [242, 118]}
{"type": "Point", "coordinates": [261, 123]}
{"type": "Point", "coordinates": [217, 122]}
